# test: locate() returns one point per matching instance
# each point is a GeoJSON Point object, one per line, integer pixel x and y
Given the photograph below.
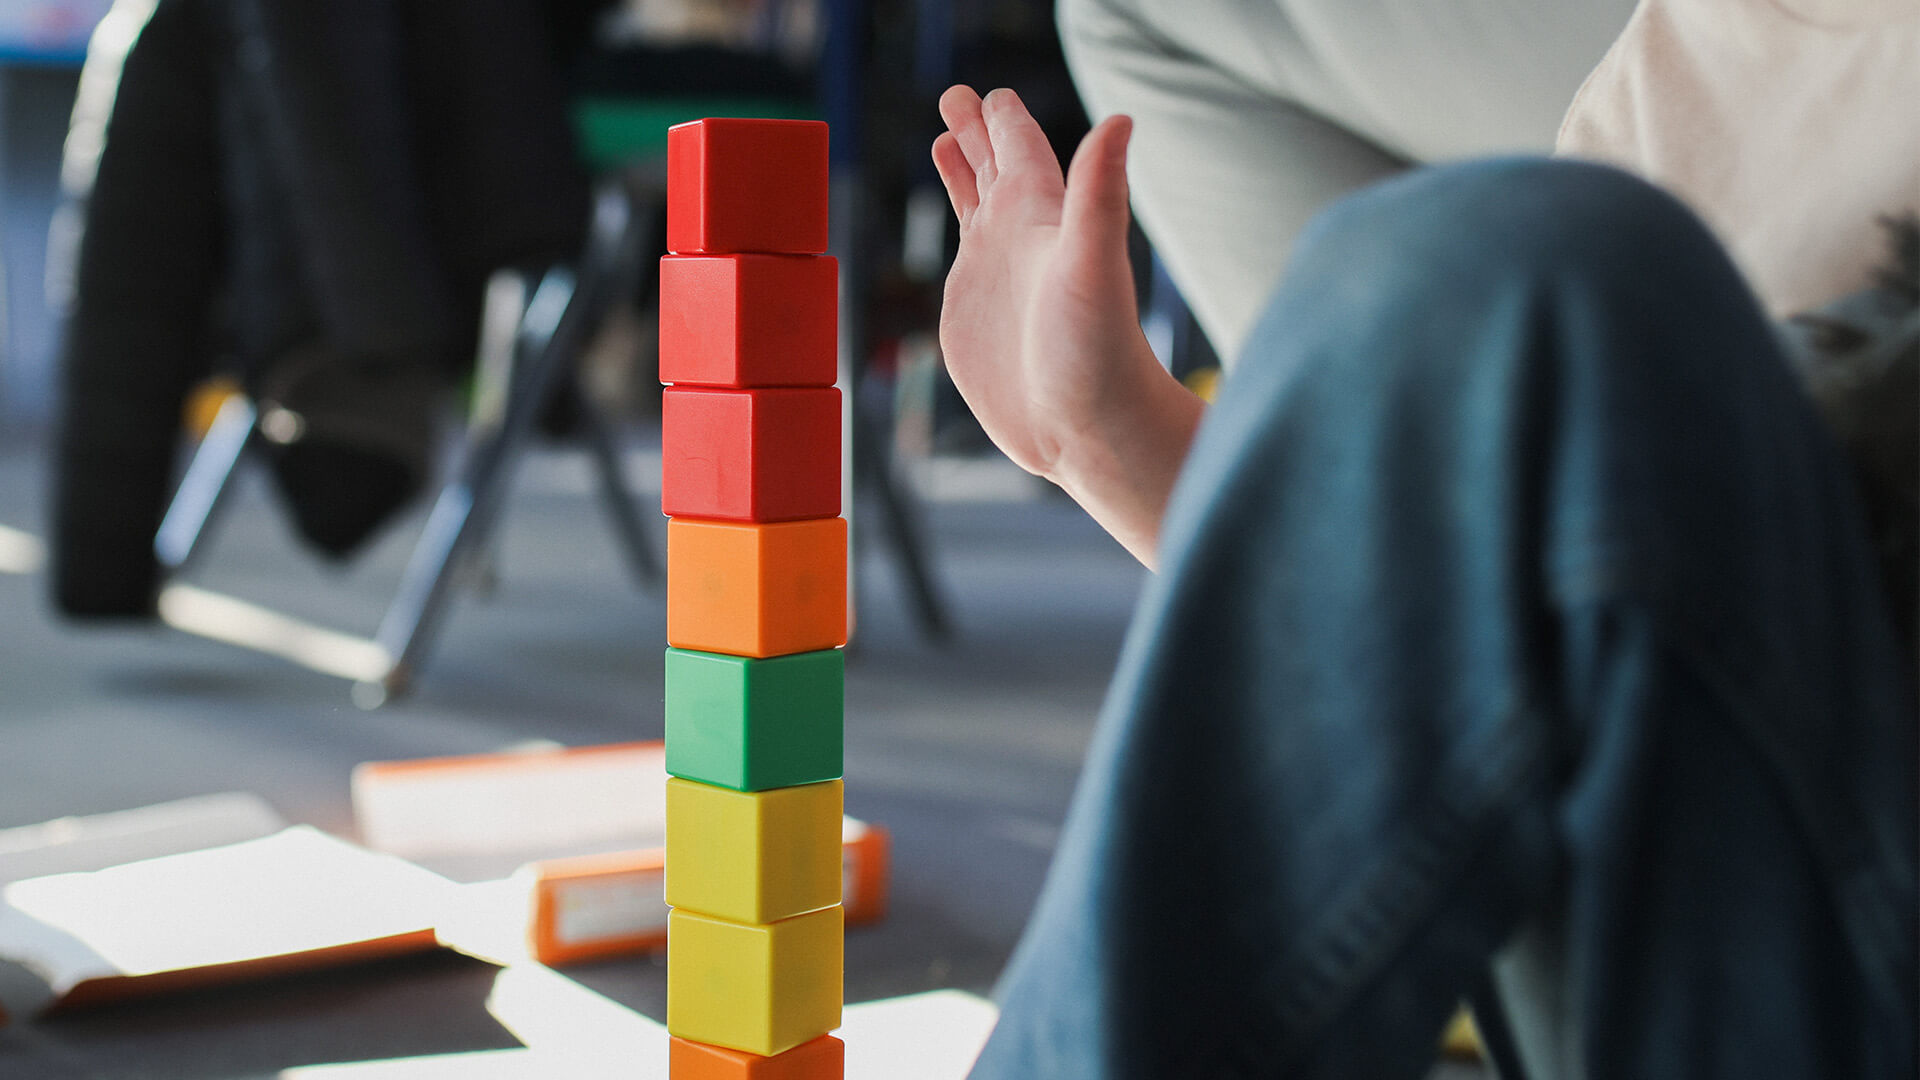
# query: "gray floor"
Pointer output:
{"type": "Point", "coordinates": [967, 753]}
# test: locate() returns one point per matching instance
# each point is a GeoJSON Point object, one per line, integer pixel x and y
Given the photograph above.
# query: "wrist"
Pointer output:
{"type": "Point", "coordinates": [1121, 466]}
{"type": "Point", "coordinates": [1145, 414]}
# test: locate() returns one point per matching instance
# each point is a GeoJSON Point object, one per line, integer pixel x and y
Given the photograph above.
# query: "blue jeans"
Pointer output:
{"type": "Point", "coordinates": [1517, 639]}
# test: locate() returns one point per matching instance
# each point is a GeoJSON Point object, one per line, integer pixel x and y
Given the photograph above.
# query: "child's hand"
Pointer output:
{"type": "Point", "coordinates": [1039, 328]}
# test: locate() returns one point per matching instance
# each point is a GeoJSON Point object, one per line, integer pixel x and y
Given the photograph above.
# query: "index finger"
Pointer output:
{"type": "Point", "coordinates": [960, 108]}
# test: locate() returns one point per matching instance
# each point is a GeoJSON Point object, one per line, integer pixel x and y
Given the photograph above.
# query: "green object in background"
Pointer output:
{"type": "Point", "coordinates": [751, 725]}
{"type": "Point", "coordinates": [618, 131]}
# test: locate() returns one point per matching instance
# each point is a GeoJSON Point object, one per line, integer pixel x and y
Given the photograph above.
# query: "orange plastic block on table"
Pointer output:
{"type": "Point", "coordinates": [823, 1058]}
{"type": "Point", "coordinates": [757, 589]}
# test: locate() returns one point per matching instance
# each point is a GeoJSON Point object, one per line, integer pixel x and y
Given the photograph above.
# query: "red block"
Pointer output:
{"type": "Point", "coordinates": [750, 455]}
{"type": "Point", "coordinates": [749, 320]}
{"type": "Point", "coordinates": [747, 185]}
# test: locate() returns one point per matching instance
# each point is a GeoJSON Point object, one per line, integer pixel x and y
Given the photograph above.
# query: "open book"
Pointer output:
{"type": "Point", "coordinates": [560, 849]}
{"type": "Point", "coordinates": [551, 855]}
{"type": "Point", "coordinates": [201, 891]}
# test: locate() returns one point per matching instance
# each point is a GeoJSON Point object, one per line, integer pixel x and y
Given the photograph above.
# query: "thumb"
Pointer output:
{"type": "Point", "coordinates": [1094, 215]}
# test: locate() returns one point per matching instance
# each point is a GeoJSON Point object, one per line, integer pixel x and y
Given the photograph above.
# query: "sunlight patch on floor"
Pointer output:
{"type": "Point", "coordinates": [573, 1032]}
{"type": "Point", "coordinates": [236, 622]}
{"type": "Point", "coordinates": [21, 552]}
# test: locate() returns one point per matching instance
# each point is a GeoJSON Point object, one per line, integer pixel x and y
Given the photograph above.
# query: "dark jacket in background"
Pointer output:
{"type": "Point", "coordinates": [318, 190]}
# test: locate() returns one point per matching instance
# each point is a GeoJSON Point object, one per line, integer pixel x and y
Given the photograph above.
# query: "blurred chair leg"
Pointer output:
{"type": "Point", "coordinates": [190, 515]}
{"type": "Point", "coordinates": [899, 515]}
{"type": "Point", "coordinates": [415, 612]}
{"type": "Point", "coordinates": [494, 378]}
{"type": "Point", "coordinates": [870, 462]}
{"type": "Point", "coordinates": [463, 514]}
{"type": "Point", "coordinates": [561, 312]}
{"type": "Point", "coordinates": [1497, 1041]}
{"type": "Point", "coordinates": [628, 522]}
{"type": "Point", "coordinates": [532, 342]}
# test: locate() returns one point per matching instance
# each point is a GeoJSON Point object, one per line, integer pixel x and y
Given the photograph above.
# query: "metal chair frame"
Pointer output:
{"type": "Point", "coordinates": [546, 330]}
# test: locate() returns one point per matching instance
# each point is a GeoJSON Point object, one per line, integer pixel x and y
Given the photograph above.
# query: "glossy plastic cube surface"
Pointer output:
{"type": "Point", "coordinates": [761, 989]}
{"type": "Point", "coordinates": [740, 185]}
{"type": "Point", "coordinates": [750, 455]}
{"type": "Point", "coordinates": [753, 856]}
{"type": "Point", "coordinates": [757, 590]}
{"type": "Point", "coordinates": [749, 320]}
{"type": "Point", "coordinates": [824, 1058]}
{"type": "Point", "coordinates": [750, 725]}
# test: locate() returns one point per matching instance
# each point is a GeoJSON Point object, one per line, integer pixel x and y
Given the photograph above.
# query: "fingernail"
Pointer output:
{"type": "Point", "coordinates": [996, 98]}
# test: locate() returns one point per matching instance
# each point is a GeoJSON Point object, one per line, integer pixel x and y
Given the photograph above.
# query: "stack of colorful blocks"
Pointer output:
{"type": "Point", "coordinates": [756, 604]}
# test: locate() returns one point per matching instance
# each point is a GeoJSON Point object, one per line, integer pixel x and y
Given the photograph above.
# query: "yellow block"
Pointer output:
{"type": "Point", "coordinates": [753, 856]}
{"type": "Point", "coordinates": [762, 989]}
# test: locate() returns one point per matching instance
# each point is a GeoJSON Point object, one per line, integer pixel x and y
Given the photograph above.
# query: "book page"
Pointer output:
{"type": "Point", "coordinates": [97, 841]}
{"type": "Point", "coordinates": [511, 808]}
{"type": "Point", "coordinates": [294, 891]}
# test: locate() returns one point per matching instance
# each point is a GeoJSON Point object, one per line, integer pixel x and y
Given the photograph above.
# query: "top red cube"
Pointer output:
{"type": "Point", "coordinates": [747, 186]}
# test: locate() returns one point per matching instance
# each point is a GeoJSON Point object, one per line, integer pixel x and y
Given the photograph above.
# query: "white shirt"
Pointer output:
{"type": "Point", "coordinates": [1788, 125]}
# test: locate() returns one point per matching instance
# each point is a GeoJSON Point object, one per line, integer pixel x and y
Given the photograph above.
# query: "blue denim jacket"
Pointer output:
{"type": "Point", "coordinates": [1517, 639]}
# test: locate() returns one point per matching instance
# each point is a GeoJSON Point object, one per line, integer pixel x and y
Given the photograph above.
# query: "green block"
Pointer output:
{"type": "Point", "coordinates": [750, 725]}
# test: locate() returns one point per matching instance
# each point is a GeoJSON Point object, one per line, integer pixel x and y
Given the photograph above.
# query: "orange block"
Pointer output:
{"type": "Point", "coordinates": [823, 1058]}
{"type": "Point", "coordinates": [757, 589]}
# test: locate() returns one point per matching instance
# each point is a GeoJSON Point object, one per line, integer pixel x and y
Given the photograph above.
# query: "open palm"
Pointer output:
{"type": "Point", "coordinates": [1039, 327]}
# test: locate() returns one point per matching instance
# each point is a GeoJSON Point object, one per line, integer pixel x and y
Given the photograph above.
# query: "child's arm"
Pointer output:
{"type": "Point", "coordinates": [1039, 327]}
